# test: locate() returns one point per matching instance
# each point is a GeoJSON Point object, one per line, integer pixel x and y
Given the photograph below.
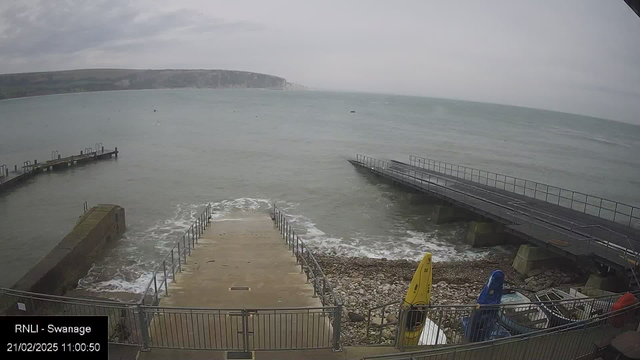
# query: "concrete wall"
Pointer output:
{"type": "Point", "coordinates": [530, 257]}
{"type": "Point", "coordinates": [485, 234]}
{"type": "Point", "coordinates": [71, 259]}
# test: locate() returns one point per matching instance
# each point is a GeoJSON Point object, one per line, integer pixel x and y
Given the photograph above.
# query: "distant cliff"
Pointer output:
{"type": "Point", "coordinates": [56, 82]}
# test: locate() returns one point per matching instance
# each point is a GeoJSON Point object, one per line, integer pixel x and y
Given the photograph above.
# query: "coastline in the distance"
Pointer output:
{"type": "Point", "coordinates": [69, 81]}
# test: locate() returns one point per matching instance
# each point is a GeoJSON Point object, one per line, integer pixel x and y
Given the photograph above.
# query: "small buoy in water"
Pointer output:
{"type": "Point", "coordinates": [154, 110]}
{"type": "Point", "coordinates": [353, 111]}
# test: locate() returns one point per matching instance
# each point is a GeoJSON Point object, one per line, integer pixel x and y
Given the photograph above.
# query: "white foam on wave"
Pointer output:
{"type": "Point", "coordinates": [405, 245]}
{"type": "Point", "coordinates": [129, 267]}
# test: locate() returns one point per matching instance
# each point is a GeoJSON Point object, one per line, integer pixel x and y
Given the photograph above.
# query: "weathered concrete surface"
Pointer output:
{"type": "Point", "coordinates": [609, 283]}
{"type": "Point", "coordinates": [485, 234]}
{"type": "Point", "coordinates": [241, 250]}
{"type": "Point", "coordinates": [448, 213]}
{"type": "Point", "coordinates": [421, 199]}
{"type": "Point", "coordinates": [530, 257]}
{"type": "Point", "coordinates": [123, 352]}
{"type": "Point", "coordinates": [70, 260]}
{"type": "Point", "coordinates": [349, 353]}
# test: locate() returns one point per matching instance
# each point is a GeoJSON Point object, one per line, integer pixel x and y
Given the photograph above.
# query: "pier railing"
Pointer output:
{"type": "Point", "coordinates": [589, 204]}
{"type": "Point", "coordinates": [126, 325]}
{"type": "Point", "coordinates": [196, 328]}
{"type": "Point", "coordinates": [322, 287]}
{"type": "Point", "coordinates": [584, 239]}
{"type": "Point", "coordinates": [570, 341]}
{"type": "Point", "coordinates": [447, 322]}
{"type": "Point", "coordinates": [171, 264]}
{"type": "Point", "coordinates": [304, 257]}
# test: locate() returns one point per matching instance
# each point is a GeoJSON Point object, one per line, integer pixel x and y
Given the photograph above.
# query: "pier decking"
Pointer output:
{"type": "Point", "coordinates": [10, 178]}
{"type": "Point", "coordinates": [608, 235]}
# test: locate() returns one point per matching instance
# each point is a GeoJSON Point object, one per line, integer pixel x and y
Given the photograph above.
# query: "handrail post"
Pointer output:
{"type": "Point", "coordinates": [155, 286]}
{"type": "Point", "coordinates": [179, 258]}
{"type": "Point", "coordinates": [399, 341]}
{"type": "Point", "coordinates": [143, 328]}
{"type": "Point", "coordinates": [173, 264]}
{"type": "Point", "coordinates": [166, 283]}
{"type": "Point", "coordinates": [184, 247]}
{"type": "Point", "coordinates": [302, 257]}
{"type": "Point", "coordinates": [337, 327]}
{"type": "Point", "coordinates": [189, 240]}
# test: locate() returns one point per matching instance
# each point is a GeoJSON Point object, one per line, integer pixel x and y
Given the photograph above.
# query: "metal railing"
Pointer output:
{"type": "Point", "coordinates": [540, 226]}
{"type": "Point", "coordinates": [172, 263]}
{"type": "Point", "coordinates": [148, 325]}
{"type": "Point", "coordinates": [452, 324]}
{"type": "Point", "coordinates": [309, 266]}
{"type": "Point", "coordinates": [190, 328]}
{"type": "Point", "coordinates": [304, 257]}
{"type": "Point", "coordinates": [4, 172]}
{"type": "Point", "coordinates": [241, 329]}
{"type": "Point", "coordinates": [125, 326]}
{"type": "Point", "coordinates": [589, 204]}
{"type": "Point", "coordinates": [570, 341]}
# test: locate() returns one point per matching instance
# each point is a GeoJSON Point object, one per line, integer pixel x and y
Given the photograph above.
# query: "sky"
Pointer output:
{"type": "Point", "coordinates": [577, 56]}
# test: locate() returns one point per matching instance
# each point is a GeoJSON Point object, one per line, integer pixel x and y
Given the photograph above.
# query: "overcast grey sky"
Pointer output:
{"type": "Point", "coordinates": [579, 56]}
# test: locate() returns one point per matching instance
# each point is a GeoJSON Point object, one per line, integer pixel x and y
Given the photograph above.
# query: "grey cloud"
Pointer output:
{"type": "Point", "coordinates": [578, 56]}
{"type": "Point", "coordinates": [53, 27]}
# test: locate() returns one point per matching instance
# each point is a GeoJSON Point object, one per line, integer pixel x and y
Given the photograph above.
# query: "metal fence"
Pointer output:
{"type": "Point", "coordinates": [570, 341]}
{"type": "Point", "coordinates": [315, 275]}
{"type": "Point", "coordinates": [589, 204]}
{"type": "Point", "coordinates": [166, 270]}
{"type": "Point", "coordinates": [151, 326]}
{"type": "Point", "coordinates": [459, 324]}
{"type": "Point", "coordinates": [241, 329]}
{"type": "Point", "coordinates": [191, 328]}
{"type": "Point", "coordinates": [304, 257]}
{"type": "Point", "coordinates": [575, 238]}
{"type": "Point", "coordinates": [125, 320]}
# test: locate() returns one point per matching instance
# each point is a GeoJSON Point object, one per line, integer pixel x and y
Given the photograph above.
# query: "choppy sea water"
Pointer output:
{"type": "Point", "coordinates": [245, 149]}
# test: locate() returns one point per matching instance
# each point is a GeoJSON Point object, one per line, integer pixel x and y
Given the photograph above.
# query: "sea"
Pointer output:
{"type": "Point", "coordinates": [244, 150]}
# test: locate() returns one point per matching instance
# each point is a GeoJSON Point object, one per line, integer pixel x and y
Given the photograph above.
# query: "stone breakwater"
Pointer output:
{"type": "Point", "coordinates": [364, 283]}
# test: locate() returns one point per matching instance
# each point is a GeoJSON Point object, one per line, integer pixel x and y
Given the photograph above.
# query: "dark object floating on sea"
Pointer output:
{"type": "Point", "coordinates": [353, 111]}
{"type": "Point", "coordinates": [154, 110]}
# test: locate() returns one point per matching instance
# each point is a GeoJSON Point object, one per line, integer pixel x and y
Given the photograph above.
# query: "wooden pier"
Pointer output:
{"type": "Point", "coordinates": [29, 169]}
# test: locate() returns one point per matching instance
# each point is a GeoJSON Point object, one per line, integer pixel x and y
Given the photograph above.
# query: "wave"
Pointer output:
{"type": "Point", "coordinates": [128, 267]}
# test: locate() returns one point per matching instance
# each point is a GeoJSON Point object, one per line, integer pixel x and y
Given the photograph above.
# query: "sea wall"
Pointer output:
{"type": "Point", "coordinates": [71, 259]}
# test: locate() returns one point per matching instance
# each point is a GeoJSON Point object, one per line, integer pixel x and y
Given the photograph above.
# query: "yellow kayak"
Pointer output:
{"type": "Point", "coordinates": [417, 298]}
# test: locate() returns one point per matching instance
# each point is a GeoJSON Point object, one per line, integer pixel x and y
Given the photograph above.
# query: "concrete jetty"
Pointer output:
{"type": "Point", "coordinates": [241, 261]}
{"type": "Point", "coordinates": [243, 291]}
